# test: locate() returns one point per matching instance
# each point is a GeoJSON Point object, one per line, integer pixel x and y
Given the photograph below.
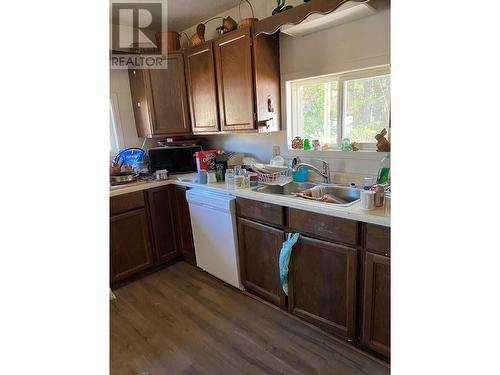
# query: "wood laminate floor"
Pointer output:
{"type": "Point", "coordinates": [181, 320]}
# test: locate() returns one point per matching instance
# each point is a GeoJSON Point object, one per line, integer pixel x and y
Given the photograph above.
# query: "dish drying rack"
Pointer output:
{"type": "Point", "coordinates": [272, 174]}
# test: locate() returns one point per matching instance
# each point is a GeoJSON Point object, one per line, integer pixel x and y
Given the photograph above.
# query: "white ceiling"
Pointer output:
{"type": "Point", "coordinates": [186, 13]}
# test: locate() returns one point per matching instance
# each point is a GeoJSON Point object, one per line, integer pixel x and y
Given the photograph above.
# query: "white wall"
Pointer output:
{"type": "Point", "coordinates": [359, 44]}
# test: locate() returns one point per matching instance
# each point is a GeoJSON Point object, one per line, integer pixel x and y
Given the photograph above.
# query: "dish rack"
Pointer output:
{"type": "Point", "coordinates": [273, 175]}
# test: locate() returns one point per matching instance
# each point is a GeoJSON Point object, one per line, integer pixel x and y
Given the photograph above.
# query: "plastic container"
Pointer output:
{"type": "Point", "coordinates": [367, 200]}
{"type": "Point", "coordinates": [202, 177]}
{"type": "Point", "coordinates": [384, 172]}
{"type": "Point", "coordinates": [253, 179]}
{"type": "Point", "coordinates": [211, 178]}
{"type": "Point", "coordinates": [239, 182]}
{"type": "Point", "coordinates": [229, 177]}
{"type": "Point", "coordinates": [278, 161]}
{"type": "Point", "coordinates": [368, 183]}
{"type": "Point", "coordinates": [387, 204]}
{"type": "Point", "coordinates": [302, 175]}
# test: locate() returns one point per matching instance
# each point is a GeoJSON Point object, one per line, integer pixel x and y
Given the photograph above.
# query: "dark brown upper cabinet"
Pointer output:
{"type": "Point", "coordinates": [202, 88]}
{"type": "Point", "coordinates": [233, 61]}
{"type": "Point", "coordinates": [159, 99]}
{"type": "Point", "coordinates": [142, 114]}
{"type": "Point", "coordinates": [266, 70]}
{"type": "Point", "coordinates": [234, 83]}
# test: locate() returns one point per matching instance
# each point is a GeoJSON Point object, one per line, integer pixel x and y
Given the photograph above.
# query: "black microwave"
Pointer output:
{"type": "Point", "coordinates": [175, 159]}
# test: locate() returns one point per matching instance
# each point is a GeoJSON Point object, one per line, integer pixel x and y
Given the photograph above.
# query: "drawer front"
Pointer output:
{"type": "Point", "coordinates": [260, 211]}
{"type": "Point", "coordinates": [378, 239]}
{"type": "Point", "coordinates": [126, 202]}
{"type": "Point", "coordinates": [323, 226]}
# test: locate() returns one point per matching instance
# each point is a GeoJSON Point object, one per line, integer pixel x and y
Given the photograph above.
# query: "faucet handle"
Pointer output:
{"type": "Point", "coordinates": [326, 165]}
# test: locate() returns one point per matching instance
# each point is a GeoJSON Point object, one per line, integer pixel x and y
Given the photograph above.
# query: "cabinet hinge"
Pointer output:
{"type": "Point", "coordinates": [255, 116]}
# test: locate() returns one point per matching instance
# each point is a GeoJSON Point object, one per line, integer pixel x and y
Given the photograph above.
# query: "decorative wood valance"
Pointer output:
{"type": "Point", "coordinates": [298, 14]}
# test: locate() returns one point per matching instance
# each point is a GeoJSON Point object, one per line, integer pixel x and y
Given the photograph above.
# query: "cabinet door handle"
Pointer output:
{"type": "Point", "coordinates": [139, 104]}
{"type": "Point", "coordinates": [270, 106]}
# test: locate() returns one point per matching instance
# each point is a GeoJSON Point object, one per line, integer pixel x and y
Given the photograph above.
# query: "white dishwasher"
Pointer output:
{"type": "Point", "coordinates": [213, 220]}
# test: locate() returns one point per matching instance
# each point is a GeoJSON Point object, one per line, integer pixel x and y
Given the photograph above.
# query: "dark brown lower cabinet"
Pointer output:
{"type": "Point", "coordinates": [130, 244]}
{"type": "Point", "coordinates": [161, 207]}
{"type": "Point", "coordinates": [182, 224]}
{"type": "Point", "coordinates": [376, 317]}
{"type": "Point", "coordinates": [259, 247]}
{"type": "Point", "coordinates": [322, 285]}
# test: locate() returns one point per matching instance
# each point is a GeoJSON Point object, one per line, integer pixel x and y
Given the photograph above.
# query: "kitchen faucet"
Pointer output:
{"type": "Point", "coordinates": [325, 173]}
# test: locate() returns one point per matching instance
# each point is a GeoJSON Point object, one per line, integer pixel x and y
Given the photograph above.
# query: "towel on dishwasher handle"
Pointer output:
{"type": "Point", "coordinates": [284, 259]}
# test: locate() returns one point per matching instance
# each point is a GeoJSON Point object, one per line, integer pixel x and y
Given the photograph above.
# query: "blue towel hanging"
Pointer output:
{"type": "Point", "coordinates": [284, 259]}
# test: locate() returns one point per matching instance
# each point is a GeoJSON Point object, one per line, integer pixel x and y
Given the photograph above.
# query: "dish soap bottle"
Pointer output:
{"type": "Point", "coordinates": [385, 170]}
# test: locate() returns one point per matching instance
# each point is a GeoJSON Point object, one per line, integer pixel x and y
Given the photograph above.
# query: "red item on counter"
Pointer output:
{"type": "Point", "coordinates": [205, 160]}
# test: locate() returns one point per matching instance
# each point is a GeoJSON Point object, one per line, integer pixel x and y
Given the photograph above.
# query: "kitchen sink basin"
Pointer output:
{"type": "Point", "coordinates": [344, 195]}
{"type": "Point", "coordinates": [288, 189]}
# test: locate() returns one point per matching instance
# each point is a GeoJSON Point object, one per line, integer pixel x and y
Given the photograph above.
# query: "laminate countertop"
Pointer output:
{"type": "Point", "coordinates": [354, 212]}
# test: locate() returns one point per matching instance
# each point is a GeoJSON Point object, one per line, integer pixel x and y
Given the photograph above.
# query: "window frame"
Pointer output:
{"type": "Point", "coordinates": [341, 79]}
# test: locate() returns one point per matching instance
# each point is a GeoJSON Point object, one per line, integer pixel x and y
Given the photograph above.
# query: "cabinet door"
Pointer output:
{"type": "Point", "coordinates": [202, 90]}
{"type": "Point", "coordinates": [160, 207]}
{"type": "Point", "coordinates": [376, 324]}
{"type": "Point", "coordinates": [182, 224]}
{"type": "Point", "coordinates": [322, 285]}
{"type": "Point", "coordinates": [266, 64]}
{"type": "Point", "coordinates": [130, 244]}
{"type": "Point", "coordinates": [233, 60]}
{"type": "Point", "coordinates": [142, 114]}
{"type": "Point", "coordinates": [259, 247]}
{"type": "Point", "coordinates": [169, 99]}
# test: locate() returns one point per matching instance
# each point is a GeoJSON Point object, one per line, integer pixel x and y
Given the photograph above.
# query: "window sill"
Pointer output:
{"type": "Point", "coordinates": [336, 154]}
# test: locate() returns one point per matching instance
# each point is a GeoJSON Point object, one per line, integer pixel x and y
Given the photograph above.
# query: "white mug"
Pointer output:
{"type": "Point", "coordinates": [367, 199]}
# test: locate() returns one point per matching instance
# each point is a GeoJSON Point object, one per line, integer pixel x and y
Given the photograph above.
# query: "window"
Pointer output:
{"type": "Point", "coordinates": [115, 130]}
{"type": "Point", "coordinates": [354, 105]}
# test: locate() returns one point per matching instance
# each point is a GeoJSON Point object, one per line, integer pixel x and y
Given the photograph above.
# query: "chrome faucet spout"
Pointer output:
{"type": "Point", "coordinates": [325, 173]}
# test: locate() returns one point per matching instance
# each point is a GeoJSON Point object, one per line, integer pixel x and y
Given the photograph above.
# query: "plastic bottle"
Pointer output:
{"type": "Point", "coordinates": [384, 173]}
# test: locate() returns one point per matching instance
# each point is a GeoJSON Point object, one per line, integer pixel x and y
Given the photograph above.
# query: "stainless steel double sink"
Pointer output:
{"type": "Point", "coordinates": [344, 194]}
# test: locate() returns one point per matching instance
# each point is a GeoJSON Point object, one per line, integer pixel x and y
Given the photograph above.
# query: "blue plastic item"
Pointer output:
{"type": "Point", "coordinates": [284, 259]}
{"type": "Point", "coordinates": [301, 175]}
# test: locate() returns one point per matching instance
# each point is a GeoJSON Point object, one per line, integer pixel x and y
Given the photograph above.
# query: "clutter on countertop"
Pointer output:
{"type": "Point", "coordinates": [161, 174]}
{"type": "Point", "coordinates": [367, 199]}
{"type": "Point", "coordinates": [202, 176]}
{"type": "Point", "coordinates": [220, 166]}
{"type": "Point", "coordinates": [205, 160]}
